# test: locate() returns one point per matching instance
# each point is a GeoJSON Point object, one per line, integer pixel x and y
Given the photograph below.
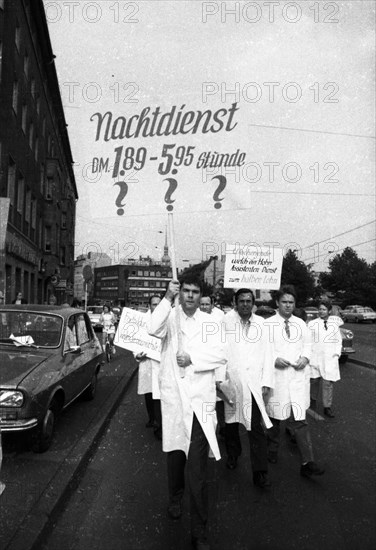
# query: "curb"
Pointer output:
{"type": "Point", "coordinates": [60, 487]}
{"type": "Point", "coordinates": [361, 363]}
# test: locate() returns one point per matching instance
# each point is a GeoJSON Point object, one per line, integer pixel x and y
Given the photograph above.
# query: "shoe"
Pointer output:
{"type": "Point", "coordinates": [232, 462]}
{"type": "Point", "coordinates": [311, 469]}
{"type": "Point", "coordinates": [260, 480]}
{"type": "Point", "coordinates": [291, 436]}
{"type": "Point", "coordinates": [200, 544]}
{"type": "Point", "coordinates": [149, 424]}
{"type": "Point", "coordinates": [328, 412]}
{"type": "Point", "coordinates": [174, 510]}
{"type": "Point", "coordinates": [272, 457]}
{"type": "Point", "coordinates": [113, 350]}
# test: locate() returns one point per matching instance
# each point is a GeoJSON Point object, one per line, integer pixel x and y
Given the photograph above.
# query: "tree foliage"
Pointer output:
{"type": "Point", "coordinates": [299, 275]}
{"type": "Point", "coordinates": [351, 279]}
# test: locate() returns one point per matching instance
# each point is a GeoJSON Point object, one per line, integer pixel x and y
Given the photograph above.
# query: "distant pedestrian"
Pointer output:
{"type": "Point", "coordinates": [148, 384]}
{"type": "Point", "coordinates": [19, 299]}
{"type": "Point", "coordinates": [326, 351]}
{"type": "Point", "coordinates": [289, 338]}
{"type": "Point", "coordinates": [108, 321]}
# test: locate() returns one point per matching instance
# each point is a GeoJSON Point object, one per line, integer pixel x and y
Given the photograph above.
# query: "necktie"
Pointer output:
{"type": "Point", "coordinates": [326, 325]}
{"type": "Point", "coordinates": [287, 328]}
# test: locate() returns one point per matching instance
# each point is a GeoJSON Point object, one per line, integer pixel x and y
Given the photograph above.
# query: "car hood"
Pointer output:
{"type": "Point", "coordinates": [15, 365]}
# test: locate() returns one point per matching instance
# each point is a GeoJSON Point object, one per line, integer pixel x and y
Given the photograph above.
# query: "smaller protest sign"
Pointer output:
{"type": "Point", "coordinates": [132, 334]}
{"type": "Point", "coordinates": [253, 266]}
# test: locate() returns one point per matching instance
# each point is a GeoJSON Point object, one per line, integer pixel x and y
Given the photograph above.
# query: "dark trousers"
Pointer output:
{"type": "Point", "coordinates": [157, 417]}
{"type": "Point", "coordinates": [196, 478]}
{"type": "Point", "coordinates": [302, 435]}
{"type": "Point", "coordinates": [257, 441]}
{"type": "Point", "coordinates": [149, 406]}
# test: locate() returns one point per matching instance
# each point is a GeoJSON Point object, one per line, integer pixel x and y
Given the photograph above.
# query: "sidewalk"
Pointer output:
{"type": "Point", "coordinates": [38, 485]}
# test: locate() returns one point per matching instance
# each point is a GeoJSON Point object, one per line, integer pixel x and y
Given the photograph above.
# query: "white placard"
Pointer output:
{"type": "Point", "coordinates": [132, 334]}
{"type": "Point", "coordinates": [253, 266]}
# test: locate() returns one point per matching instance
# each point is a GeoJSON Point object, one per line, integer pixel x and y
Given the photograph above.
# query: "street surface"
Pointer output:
{"type": "Point", "coordinates": [121, 501]}
{"type": "Point", "coordinates": [364, 341]}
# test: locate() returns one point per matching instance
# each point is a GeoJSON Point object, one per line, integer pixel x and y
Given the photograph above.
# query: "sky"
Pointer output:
{"type": "Point", "coordinates": [299, 78]}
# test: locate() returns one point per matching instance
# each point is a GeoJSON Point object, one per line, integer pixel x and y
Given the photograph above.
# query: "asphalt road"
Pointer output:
{"type": "Point", "coordinates": [121, 501]}
{"type": "Point", "coordinates": [364, 341]}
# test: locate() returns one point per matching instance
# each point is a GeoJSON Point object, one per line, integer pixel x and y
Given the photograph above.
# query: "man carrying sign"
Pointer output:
{"type": "Point", "coordinates": [188, 399]}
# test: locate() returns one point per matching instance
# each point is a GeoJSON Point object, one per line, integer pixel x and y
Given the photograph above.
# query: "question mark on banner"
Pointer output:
{"type": "Point", "coordinates": [222, 184]}
{"type": "Point", "coordinates": [171, 188]}
{"type": "Point", "coordinates": [123, 191]}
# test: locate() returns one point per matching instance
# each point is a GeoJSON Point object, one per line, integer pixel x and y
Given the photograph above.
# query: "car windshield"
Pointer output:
{"type": "Point", "coordinates": [25, 328]}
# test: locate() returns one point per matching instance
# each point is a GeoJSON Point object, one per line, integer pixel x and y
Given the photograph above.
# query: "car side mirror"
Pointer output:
{"type": "Point", "coordinates": [74, 349]}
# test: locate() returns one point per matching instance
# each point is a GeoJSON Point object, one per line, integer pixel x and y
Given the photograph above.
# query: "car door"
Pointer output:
{"type": "Point", "coordinates": [90, 348]}
{"type": "Point", "coordinates": [73, 358]}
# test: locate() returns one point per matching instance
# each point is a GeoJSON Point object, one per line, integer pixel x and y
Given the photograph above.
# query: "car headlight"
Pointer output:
{"type": "Point", "coordinates": [11, 398]}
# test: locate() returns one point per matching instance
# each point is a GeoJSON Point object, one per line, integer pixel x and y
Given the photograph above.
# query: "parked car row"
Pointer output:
{"type": "Point", "coordinates": [358, 314]}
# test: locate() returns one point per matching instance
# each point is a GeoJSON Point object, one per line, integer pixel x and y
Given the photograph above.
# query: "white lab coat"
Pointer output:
{"type": "Point", "coordinates": [291, 389]}
{"type": "Point", "coordinates": [326, 348]}
{"type": "Point", "coordinates": [148, 372]}
{"type": "Point", "coordinates": [196, 392]}
{"type": "Point", "coordinates": [248, 367]}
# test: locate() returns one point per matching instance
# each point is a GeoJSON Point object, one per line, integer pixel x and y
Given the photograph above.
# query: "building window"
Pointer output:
{"type": "Point", "coordinates": [62, 255]}
{"type": "Point", "coordinates": [139, 273]}
{"type": "Point", "coordinates": [63, 220]}
{"type": "Point", "coordinates": [11, 183]}
{"type": "Point", "coordinates": [47, 238]}
{"type": "Point", "coordinates": [20, 195]}
{"type": "Point", "coordinates": [17, 36]}
{"type": "Point", "coordinates": [31, 135]}
{"type": "Point", "coordinates": [15, 96]}
{"type": "Point", "coordinates": [49, 188]}
{"type": "Point", "coordinates": [27, 205]}
{"type": "Point", "coordinates": [24, 117]}
{"type": "Point", "coordinates": [32, 88]}
{"type": "Point", "coordinates": [41, 180]}
{"type": "Point", "coordinates": [33, 213]}
{"type": "Point", "coordinates": [26, 64]}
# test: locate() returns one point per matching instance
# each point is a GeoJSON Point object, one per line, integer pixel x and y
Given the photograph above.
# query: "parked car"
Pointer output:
{"type": "Point", "coordinates": [94, 313]}
{"type": "Point", "coordinates": [49, 355]}
{"type": "Point", "coordinates": [358, 314]}
{"type": "Point", "coordinates": [347, 335]}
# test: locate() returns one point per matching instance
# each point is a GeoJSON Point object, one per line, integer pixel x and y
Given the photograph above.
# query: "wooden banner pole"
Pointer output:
{"type": "Point", "coordinates": [175, 276]}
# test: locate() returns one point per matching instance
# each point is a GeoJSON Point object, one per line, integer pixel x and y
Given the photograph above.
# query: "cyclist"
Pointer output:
{"type": "Point", "coordinates": [108, 320]}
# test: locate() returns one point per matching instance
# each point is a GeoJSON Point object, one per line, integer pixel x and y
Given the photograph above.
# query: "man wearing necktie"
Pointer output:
{"type": "Point", "coordinates": [290, 342]}
{"type": "Point", "coordinates": [249, 372]}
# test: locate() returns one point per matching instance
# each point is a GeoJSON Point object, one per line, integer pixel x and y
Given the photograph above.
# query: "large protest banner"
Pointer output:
{"type": "Point", "coordinates": [253, 266]}
{"type": "Point", "coordinates": [132, 334]}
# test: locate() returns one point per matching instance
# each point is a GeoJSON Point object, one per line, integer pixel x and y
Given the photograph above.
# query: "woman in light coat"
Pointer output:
{"type": "Point", "coordinates": [326, 350]}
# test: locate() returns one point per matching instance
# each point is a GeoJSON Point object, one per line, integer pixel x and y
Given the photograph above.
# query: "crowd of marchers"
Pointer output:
{"type": "Point", "coordinates": [218, 371]}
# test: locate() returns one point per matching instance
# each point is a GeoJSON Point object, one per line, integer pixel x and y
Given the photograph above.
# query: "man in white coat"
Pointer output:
{"type": "Point", "coordinates": [148, 385]}
{"type": "Point", "coordinates": [188, 393]}
{"type": "Point", "coordinates": [290, 343]}
{"type": "Point", "coordinates": [250, 372]}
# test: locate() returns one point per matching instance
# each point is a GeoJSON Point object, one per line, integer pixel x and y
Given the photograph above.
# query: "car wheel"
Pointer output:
{"type": "Point", "coordinates": [91, 390]}
{"type": "Point", "coordinates": [42, 436]}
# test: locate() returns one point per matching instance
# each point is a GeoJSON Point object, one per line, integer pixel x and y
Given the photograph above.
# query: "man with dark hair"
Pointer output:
{"type": "Point", "coordinates": [290, 343]}
{"type": "Point", "coordinates": [188, 392]}
{"type": "Point", "coordinates": [249, 371]}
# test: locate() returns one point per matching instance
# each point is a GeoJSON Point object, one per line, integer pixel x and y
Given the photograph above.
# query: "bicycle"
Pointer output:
{"type": "Point", "coordinates": [108, 348]}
